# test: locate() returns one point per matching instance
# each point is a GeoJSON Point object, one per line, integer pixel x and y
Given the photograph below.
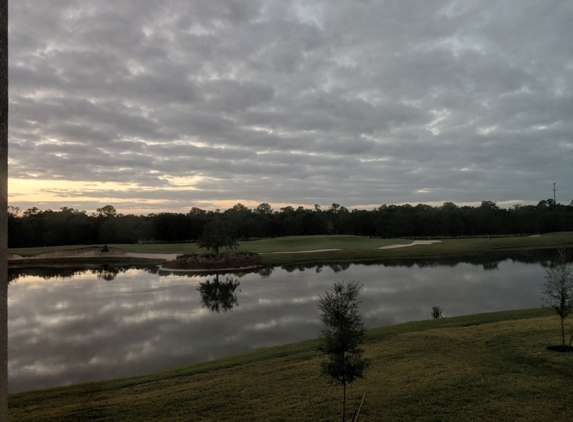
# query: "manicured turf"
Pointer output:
{"type": "Point", "coordinates": [447, 247]}
{"type": "Point", "coordinates": [486, 367]}
{"type": "Point", "coordinates": [354, 248]}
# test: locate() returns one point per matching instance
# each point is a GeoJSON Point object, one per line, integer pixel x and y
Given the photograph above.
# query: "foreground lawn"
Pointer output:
{"type": "Point", "coordinates": [482, 367]}
{"type": "Point", "coordinates": [353, 248]}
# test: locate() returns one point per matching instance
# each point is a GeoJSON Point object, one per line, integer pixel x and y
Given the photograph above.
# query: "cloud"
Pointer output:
{"type": "Point", "coordinates": [291, 102]}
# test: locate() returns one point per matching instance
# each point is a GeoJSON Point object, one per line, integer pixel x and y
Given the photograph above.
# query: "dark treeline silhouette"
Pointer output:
{"type": "Point", "coordinates": [68, 226]}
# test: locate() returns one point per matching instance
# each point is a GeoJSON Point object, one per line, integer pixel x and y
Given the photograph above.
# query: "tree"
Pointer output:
{"type": "Point", "coordinates": [341, 336]}
{"type": "Point", "coordinates": [239, 208]}
{"type": "Point", "coordinates": [217, 235]}
{"type": "Point", "coordinates": [436, 312]}
{"type": "Point", "coordinates": [334, 208]}
{"type": "Point", "coordinates": [197, 212]}
{"type": "Point", "coordinates": [106, 211]}
{"type": "Point", "coordinates": [558, 288]}
{"type": "Point", "coordinates": [264, 208]}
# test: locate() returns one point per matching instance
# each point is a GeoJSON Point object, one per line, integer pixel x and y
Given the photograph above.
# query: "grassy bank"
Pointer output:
{"type": "Point", "coordinates": [353, 248]}
{"type": "Point", "coordinates": [482, 367]}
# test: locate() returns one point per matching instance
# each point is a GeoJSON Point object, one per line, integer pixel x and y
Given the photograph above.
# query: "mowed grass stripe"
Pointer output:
{"type": "Point", "coordinates": [490, 366]}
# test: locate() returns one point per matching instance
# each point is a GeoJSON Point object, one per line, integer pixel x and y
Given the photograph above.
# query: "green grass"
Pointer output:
{"type": "Point", "coordinates": [354, 248]}
{"type": "Point", "coordinates": [280, 244]}
{"type": "Point", "coordinates": [448, 247]}
{"type": "Point", "coordinates": [306, 243]}
{"type": "Point", "coordinates": [483, 367]}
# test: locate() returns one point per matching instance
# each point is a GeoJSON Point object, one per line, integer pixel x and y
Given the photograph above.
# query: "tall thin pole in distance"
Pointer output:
{"type": "Point", "coordinates": [3, 210]}
{"type": "Point", "coordinates": [554, 194]}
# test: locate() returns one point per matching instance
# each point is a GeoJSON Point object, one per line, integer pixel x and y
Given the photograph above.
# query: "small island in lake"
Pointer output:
{"type": "Point", "coordinates": [214, 261]}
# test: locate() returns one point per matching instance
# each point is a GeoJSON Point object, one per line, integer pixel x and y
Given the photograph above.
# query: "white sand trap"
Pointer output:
{"type": "Point", "coordinates": [69, 253]}
{"type": "Point", "coordinates": [414, 243]}
{"type": "Point", "coordinates": [535, 235]}
{"type": "Point", "coordinates": [313, 251]}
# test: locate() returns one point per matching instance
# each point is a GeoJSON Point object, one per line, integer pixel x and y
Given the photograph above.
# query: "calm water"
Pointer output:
{"type": "Point", "coordinates": [69, 326]}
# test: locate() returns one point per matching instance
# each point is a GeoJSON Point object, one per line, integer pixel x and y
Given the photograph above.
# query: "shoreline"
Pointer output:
{"type": "Point", "coordinates": [208, 270]}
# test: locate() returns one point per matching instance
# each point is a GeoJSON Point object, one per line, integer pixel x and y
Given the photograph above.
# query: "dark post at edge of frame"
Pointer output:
{"type": "Point", "coordinates": [3, 210]}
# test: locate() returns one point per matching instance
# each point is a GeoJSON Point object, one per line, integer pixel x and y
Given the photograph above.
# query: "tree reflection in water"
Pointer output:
{"type": "Point", "coordinates": [219, 295]}
{"type": "Point", "coordinates": [108, 273]}
{"type": "Point", "coordinates": [102, 271]}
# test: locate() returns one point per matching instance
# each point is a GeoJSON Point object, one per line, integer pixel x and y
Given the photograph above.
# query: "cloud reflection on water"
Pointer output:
{"type": "Point", "coordinates": [78, 328]}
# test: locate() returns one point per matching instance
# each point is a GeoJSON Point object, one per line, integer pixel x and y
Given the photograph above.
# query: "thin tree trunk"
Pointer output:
{"type": "Point", "coordinates": [563, 330]}
{"type": "Point", "coordinates": [3, 210]}
{"type": "Point", "coordinates": [344, 403]}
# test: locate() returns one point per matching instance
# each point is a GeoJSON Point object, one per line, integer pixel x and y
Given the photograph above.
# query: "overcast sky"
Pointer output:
{"type": "Point", "coordinates": [165, 105]}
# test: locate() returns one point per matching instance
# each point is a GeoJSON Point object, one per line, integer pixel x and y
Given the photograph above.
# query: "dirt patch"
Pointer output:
{"type": "Point", "coordinates": [414, 243]}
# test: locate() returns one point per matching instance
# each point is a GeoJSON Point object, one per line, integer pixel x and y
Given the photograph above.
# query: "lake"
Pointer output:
{"type": "Point", "coordinates": [67, 326]}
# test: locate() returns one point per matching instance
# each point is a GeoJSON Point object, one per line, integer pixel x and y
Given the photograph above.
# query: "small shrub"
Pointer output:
{"type": "Point", "coordinates": [211, 261]}
{"type": "Point", "coordinates": [342, 336]}
{"type": "Point", "coordinates": [436, 312]}
{"type": "Point", "coordinates": [558, 288]}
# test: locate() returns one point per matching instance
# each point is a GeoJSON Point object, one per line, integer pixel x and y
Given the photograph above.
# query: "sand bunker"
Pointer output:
{"type": "Point", "coordinates": [313, 251]}
{"type": "Point", "coordinates": [94, 252]}
{"type": "Point", "coordinates": [414, 243]}
{"type": "Point", "coordinates": [166, 256]}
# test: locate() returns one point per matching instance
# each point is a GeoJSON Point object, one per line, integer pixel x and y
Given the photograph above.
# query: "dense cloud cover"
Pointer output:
{"type": "Point", "coordinates": [182, 103]}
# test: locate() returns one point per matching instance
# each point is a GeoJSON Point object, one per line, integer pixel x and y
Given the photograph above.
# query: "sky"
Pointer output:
{"type": "Point", "coordinates": [160, 106]}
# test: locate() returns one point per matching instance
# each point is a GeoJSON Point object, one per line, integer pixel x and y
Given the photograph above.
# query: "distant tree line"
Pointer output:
{"type": "Point", "coordinates": [68, 226]}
